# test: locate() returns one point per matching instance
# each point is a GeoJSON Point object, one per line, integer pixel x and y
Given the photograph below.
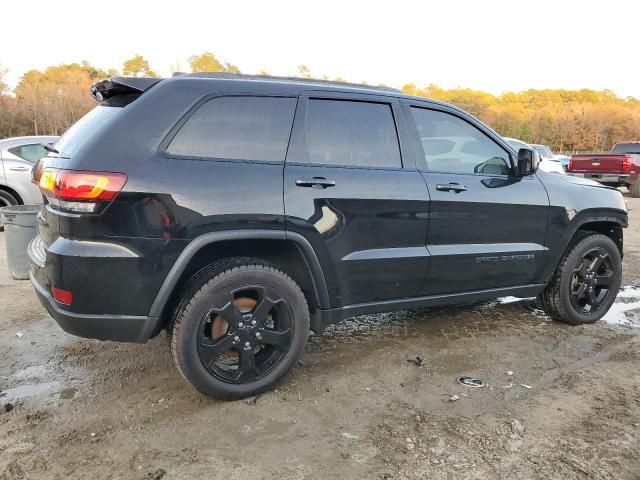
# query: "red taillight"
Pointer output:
{"type": "Point", "coordinates": [627, 164]}
{"type": "Point", "coordinates": [80, 191]}
{"type": "Point", "coordinates": [62, 296]}
{"type": "Point", "coordinates": [570, 165]}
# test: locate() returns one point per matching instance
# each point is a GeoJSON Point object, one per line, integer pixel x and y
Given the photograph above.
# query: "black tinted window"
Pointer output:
{"type": "Point", "coordinates": [30, 153]}
{"type": "Point", "coordinates": [243, 128]}
{"type": "Point", "coordinates": [452, 145]}
{"type": "Point", "coordinates": [352, 133]}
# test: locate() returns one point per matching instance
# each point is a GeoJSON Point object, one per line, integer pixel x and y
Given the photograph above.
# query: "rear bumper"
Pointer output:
{"type": "Point", "coordinates": [620, 179]}
{"type": "Point", "coordinates": [121, 328]}
{"type": "Point", "coordinates": [66, 271]}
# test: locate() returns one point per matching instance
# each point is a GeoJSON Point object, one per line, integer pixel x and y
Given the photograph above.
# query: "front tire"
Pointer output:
{"type": "Point", "coordinates": [238, 332]}
{"type": "Point", "coordinates": [586, 281]}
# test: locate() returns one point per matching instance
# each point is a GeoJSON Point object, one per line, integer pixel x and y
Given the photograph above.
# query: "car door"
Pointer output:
{"type": "Point", "coordinates": [352, 190]}
{"type": "Point", "coordinates": [17, 162]}
{"type": "Point", "coordinates": [487, 227]}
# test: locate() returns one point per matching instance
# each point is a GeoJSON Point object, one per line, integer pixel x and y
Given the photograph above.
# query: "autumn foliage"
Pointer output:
{"type": "Point", "coordinates": [565, 120]}
{"type": "Point", "coordinates": [49, 101]}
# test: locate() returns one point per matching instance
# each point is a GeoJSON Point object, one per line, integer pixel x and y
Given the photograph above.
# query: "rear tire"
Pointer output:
{"type": "Point", "coordinates": [586, 281]}
{"type": "Point", "coordinates": [239, 331]}
{"type": "Point", "coordinates": [634, 189]}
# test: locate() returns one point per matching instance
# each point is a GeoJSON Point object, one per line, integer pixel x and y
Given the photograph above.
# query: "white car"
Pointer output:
{"type": "Point", "coordinates": [547, 162]}
{"type": "Point", "coordinates": [18, 155]}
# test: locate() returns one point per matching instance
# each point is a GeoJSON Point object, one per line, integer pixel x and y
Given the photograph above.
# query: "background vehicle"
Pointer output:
{"type": "Point", "coordinates": [547, 163]}
{"type": "Point", "coordinates": [616, 169]}
{"type": "Point", "coordinates": [239, 212]}
{"type": "Point", "coordinates": [18, 156]}
{"type": "Point", "coordinates": [546, 153]}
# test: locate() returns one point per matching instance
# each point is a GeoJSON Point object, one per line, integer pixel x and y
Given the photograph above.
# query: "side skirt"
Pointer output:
{"type": "Point", "coordinates": [323, 318]}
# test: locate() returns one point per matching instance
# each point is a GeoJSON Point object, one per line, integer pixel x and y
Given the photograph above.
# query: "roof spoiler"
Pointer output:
{"type": "Point", "coordinates": [113, 86]}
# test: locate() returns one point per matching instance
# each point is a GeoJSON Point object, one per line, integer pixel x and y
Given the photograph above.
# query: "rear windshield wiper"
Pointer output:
{"type": "Point", "coordinates": [49, 148]}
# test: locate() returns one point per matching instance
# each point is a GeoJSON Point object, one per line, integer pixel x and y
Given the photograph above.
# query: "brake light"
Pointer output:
{"type": "Point", "coordinates": [80, 191]}
{"type": "Point", "coordinates": [627, 164]}
{"type": "Point", "coordinates": [570, 165]}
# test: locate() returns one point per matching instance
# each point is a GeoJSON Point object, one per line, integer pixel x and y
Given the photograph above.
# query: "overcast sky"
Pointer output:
{"type": "Point", "coordinates": [488, 45]}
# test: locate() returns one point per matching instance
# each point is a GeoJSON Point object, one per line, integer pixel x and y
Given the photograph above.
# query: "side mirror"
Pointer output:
{"type": "Point", "coordinates": [527, 162]}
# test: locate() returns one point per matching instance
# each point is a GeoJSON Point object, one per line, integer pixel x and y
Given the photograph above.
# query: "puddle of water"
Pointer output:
{"type": "Point", "coordinates": [29, 390]}
{"type": "Point", "coordinates": [617, 315]}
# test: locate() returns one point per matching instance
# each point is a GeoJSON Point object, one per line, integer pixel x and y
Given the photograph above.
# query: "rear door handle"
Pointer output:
{"type": "Point", "coordinates": [19, 169]}
{"type": "Point", "coordinates": [450, 187]}
{"type": "Point", "coordinates": [315, 182]}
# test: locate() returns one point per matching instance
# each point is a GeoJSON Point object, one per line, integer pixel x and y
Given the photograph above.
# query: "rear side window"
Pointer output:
{"type": "Point", "coordinates": [30, 153]}
{"type": "Point", "coordinates": [238, 128]}
{"type": "Point", "coordinates": [341, 132]}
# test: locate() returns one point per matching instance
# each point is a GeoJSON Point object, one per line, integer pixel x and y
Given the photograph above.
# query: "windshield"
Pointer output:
{"type": "Point", "coordinates": [543, 151]}
{"type": "Point", "coordinates": [626, 148]}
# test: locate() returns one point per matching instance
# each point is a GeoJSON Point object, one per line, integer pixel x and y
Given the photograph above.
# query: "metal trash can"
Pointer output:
{"type": "Point", "coordinates": [19, 229]}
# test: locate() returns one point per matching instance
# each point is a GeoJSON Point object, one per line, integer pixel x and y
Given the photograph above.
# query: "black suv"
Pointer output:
{"type": "Point", "coordinates": [239, 213]}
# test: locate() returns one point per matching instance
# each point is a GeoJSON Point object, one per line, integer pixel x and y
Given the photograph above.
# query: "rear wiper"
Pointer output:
{"type": "Point", "coordinates": [49, 148]}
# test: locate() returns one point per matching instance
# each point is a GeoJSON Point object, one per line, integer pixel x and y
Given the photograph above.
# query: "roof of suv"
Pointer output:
{"type": "Point", "coordinates": [104, 89]}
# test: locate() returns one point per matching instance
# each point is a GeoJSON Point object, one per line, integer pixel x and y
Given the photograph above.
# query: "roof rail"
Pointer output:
{"type": "Point", "coordinates": [312, 81]}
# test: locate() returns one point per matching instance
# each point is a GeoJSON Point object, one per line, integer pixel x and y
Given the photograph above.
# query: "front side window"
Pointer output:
{"type": "Point", "coordinates": [238, 128]}
{"type": "Point", "coordinates": [30, 153]}
{"type": "Point", "coordinates": [452, 145]}
{"type": "Point", "coordinates": [352, 133]}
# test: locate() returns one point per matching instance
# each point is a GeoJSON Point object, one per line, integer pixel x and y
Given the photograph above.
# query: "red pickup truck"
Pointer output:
{"type": "Point", "coordinates": [618, 168]}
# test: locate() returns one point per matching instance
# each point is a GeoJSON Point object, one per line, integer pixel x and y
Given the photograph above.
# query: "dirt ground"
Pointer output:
{"type": "Point", "coordinates": [353, 408]}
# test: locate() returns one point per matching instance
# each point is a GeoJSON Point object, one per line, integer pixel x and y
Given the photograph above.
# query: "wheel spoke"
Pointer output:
{"type": "Point", "coordinates": [581, 270]}
{"type": "Point", "coordinates": [261, 312]}
{"type": "Point", "coordinates": [276, 338]}
{"type": "Point", "coordinates": [581, 291]}
{"type": "Point", "coordinates": [604, 279]}
{"type": "Point", "coordinates": [247, 367]}
{"type": "Point", "coordinates": [593, 300]}
{"type": "Point", "coordinates": [598, 261]}
{"type": "Point", "coordinates": [230, 313]}
{"type": "Point", "coordinates": [210, 350]}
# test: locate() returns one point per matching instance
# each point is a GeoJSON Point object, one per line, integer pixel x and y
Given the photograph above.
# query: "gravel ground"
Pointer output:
{"type": "Point", "coordinates": [559, 401]}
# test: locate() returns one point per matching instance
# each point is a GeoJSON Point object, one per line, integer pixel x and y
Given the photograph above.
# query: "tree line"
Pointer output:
{"type": "Point", "coordinates": [47, 102]}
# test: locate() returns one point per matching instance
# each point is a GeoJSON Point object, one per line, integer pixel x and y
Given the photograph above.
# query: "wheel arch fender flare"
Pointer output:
{"type": "Point", "coordinates": [171, 281]}
{"type": "Point", "coordinates": [585, 217]}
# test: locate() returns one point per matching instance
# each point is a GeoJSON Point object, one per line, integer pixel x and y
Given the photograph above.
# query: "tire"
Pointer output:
{"type": "Point", "coordinates": [591, 261]}
{"type": "Point", "coordinates": [634, 189]}
{"type": "Point", "coordinates": [251, 317]}
{"type": "Point", "coordinates": [6, 199]}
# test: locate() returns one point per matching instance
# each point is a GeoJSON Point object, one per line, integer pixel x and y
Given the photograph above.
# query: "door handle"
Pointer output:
{"type": "Point", "coordinates": [315, 182]}
{"type": "Point", "coordinates": [19, 169]}
{"type": "Point", "coordinates": [450, 187]}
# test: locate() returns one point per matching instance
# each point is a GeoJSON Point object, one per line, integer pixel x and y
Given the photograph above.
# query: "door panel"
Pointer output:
{"type": "Point", "coordinates": [367, 225]}
{"type": "Point", "coordinates": [487, 228]}
{"type": "Point", "coordinates": [490, 235]}
{"type": "Point", "coordinates": [369, 229]}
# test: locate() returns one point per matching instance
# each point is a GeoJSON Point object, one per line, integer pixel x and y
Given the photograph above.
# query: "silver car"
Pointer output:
{"type": "Point", "coordinates": [18, 156]}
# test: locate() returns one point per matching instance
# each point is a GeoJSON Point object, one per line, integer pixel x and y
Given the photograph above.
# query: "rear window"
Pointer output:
{"type": "Point", "coordinates": [237, 128]}
{"type": "Point", "coordinates": [626, 148]}
{"type": "Point", "coordinates": [88, 126]}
